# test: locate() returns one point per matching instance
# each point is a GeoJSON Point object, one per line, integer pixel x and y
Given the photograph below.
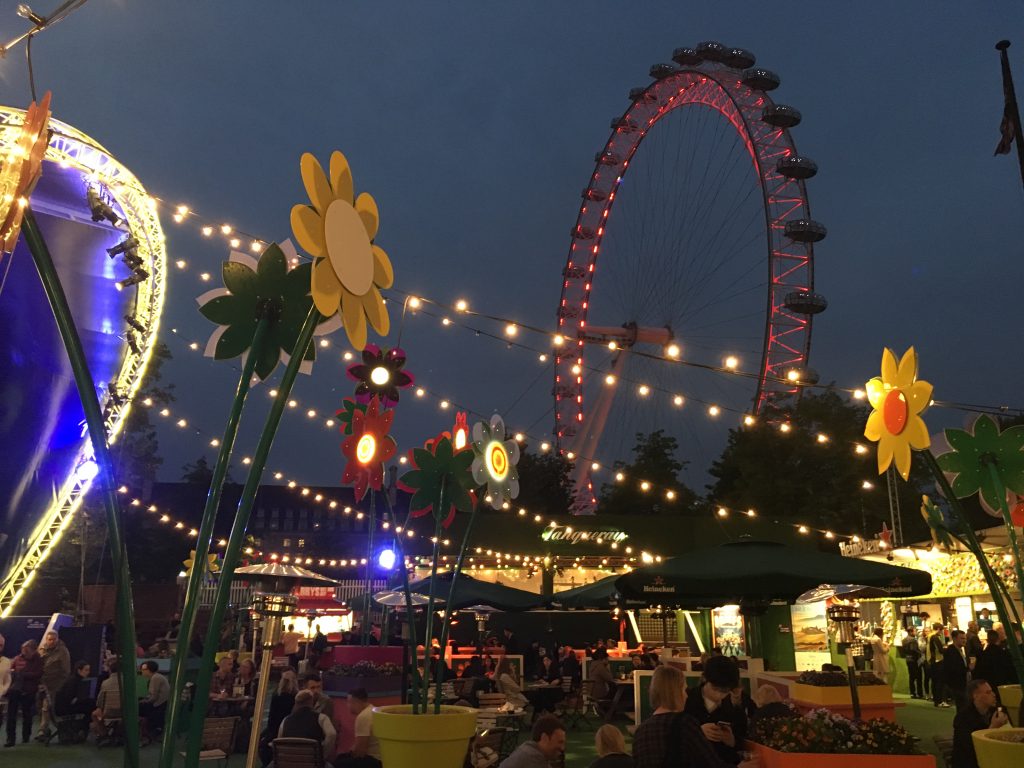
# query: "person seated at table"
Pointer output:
{"type": "Point", "coordinates": [223, 678]}
{"type": "Point", "coordinates": [742, 700]}
{"type": "Point", "coordinates": [305, 723]}
{"type": "Point", "coordinates": [710, 704]}
{"type": "Point", "coordinates": [507, 683]}
{"type": "Point", "coordinates": [439, 667]}
{"type": "Point", "coordinates": [365, 749]}
{"type": "Point", "coordinates": [570, 665]}
{"type": "Point", "coordinates": [531, 661]}
{"type": "Point", "coordinates": [281, 705]}
{"type": "Point", "coordinates": [323, 704]}
{"type": "Point", "coordinates": [108, 702]}
{"type": "Point", "coordinates": [611, 749]}
{"type": "Point", "coordinates": [544, 748]}
{"type": "Point", "coordinates": [474, 668]}
{"type": "Point", "coordinates": [670, 737]}
{"type": "Point", "coordinates": [549, 671]}
{"type": "Point", "coordinates": [978, 713]}
{"type": "Point", "coordinates": [768, 703]}
{"type": "Point", "coordinates": [74, 699]}
{"type": "Point", "coordinates": [247, 678]}
{"type": "Point", "coordinates": [601, 678]}
{"type": "Point", "coordinates": [153, 708]}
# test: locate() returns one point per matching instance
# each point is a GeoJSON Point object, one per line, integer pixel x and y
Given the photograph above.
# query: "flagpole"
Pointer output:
{"type": "Point", "coordinates": [1011, 103]}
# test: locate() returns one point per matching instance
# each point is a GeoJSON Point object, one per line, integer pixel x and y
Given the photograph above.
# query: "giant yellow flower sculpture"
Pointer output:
{"type": "Point", "coordinates": [338, 231]}
{"type": "Point", "coordinates": [898, 399]}
{"type": "Point", "coordinates": [20, 170]}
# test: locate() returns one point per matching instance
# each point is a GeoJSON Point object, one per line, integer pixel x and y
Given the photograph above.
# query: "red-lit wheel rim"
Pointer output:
{"type": "Point", "coordinates": [787, 264]}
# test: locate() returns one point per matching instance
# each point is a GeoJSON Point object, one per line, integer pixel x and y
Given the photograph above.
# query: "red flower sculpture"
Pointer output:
{"type": "Point", "coordinates": [367, 448]}
{"type": "Point", "coordinates": [380, 374]}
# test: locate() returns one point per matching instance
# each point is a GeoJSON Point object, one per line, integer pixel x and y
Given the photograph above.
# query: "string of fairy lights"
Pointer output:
{"type": "Point", "coordinates": [458, 313]}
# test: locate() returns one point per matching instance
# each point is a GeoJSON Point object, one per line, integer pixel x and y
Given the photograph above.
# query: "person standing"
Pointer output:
{"type": "Point", "coordinates": [995, 664]}
{"type": "Point", "coordinates": [154, 707]}
{"type": "Point", "coordinates": [980, 712]}
{"type": "Point", "coordinates": [985, 620]}
{"type": "Point", "coordinates": [26, 672]}
{"type": "Point", "coordinates": [5, 669]}
{"type": "Point", "coordinates": [56, 671]}
{"type": "Point", "coordinates": [956, 667]}
{"type": "Point", "coordinates": [974, 646]}
{"type": "Point", "coordinates": [290, 645]}
{"type": "Point", "coordinates": [912, 655]}
{"type": "Point", "coordinates": [936, 651]}
{"type": "Point", "coordinates": [879, 653]}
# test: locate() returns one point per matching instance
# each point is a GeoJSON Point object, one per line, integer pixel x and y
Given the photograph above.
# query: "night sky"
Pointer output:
{"type": "Point", "coordinates": [474, 125]}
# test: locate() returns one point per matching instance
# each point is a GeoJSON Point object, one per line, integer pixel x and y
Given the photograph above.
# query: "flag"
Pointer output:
{"type": "Point", "coordinates": [1006, 129]}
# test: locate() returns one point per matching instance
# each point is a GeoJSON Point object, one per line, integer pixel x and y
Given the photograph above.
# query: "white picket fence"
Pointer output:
{"type": "Point", "coordinates": [241, 593]}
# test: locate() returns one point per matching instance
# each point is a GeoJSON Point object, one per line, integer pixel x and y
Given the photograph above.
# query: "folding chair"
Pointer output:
{"type": "Point", "coordinates": [945, 745]}
{"type": "Point", "coordinates": [218, 739]}
{"type": "Point", "coordinates": [290, 752]}
{"type": "Point", "coordinates": [570, 708]}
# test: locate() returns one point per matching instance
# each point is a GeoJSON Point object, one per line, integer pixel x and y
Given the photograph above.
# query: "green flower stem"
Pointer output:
{"type": "Point", "coordinates": [203, 541]}
{"type": "Point", "coordinates": [410, 613]}
{"type": "Point", "coordinates": [997, 481]}
{"type": "Point", "coordinates": [430, 601]}
{"type": "Point", "coordinates": [446, 625]}
{"type": "Point", "coordinates": [994, 582]}
{"type": "Point", "coordinates": [98, 435]}
{"type": "Point", "coordinates": [233, 551]}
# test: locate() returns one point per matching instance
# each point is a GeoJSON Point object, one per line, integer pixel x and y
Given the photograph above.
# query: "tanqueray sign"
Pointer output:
{"type": "Point", "coordinates": [572, 535]}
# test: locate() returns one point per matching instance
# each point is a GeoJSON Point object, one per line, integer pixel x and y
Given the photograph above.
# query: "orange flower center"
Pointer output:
{"type": "Point", "coordinates": [365, 449]}
{"type": "Point", "coordinates": [497, 461]}
{"type": "Point", "coordinates": [895, 411]}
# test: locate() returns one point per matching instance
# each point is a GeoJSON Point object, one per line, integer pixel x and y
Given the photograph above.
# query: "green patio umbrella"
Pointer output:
{"type": "Point", "coordinates": [470, 592]}
{"type": "Point", "coordinates": [598, 594]}
{"type": "Point", "coordinates": [751, 572]}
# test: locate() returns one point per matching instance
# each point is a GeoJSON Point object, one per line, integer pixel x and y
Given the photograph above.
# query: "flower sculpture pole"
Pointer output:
{"type": "Point", "coordinates": [347, 275]}
{"type": "Point", "coordinates": [19, 173]}
{"type": "Point", "coordinates": [898, 398]}
{"type": "Point", "coordinates": [259, 315]}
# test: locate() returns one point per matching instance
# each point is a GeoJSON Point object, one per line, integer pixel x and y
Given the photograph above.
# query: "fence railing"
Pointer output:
{"type": "Point", "coordinates": [241, 593]}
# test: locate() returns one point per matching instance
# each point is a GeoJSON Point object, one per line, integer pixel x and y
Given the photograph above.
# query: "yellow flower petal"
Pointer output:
{"type": "Point", "coordinates": [326, 288]}
{"type": "Point", "coordinates": [916, 433]}
{"type": "Point", "coordinates": [919, 396]}
{"type": "Point", "coordinates": [315, 181]}
{"type": "Point", "coordinates": [341, 177]}
{"type": "Point", "coordinates": [907, 371]}
{"type": "Point", "coordinates": [383, 273]}
{"type": "Point", "coordinates": [874, 429]}
{"type": "Point", "coordinates": [366, 206]}
{"type": "Point", "coordinates": [308, 228]}
{"type": "Point", "coordinates": [376, 311]}
{"type": "Point", "coordinates": [889, 367]}
{"type": "Point", "coordinates": [355, 319]}
{"type": "Point", "coordinates": [876, 391]}
{"type": "Point", "coordinates": [885, 446]}
{"type": "Point", "coordinates": [901, 454]}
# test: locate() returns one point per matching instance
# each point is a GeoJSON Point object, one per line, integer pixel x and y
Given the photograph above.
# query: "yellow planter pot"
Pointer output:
{"type": "Point", "coordinates": [415, 741]}
{"type": "Point", "coordinates": [1010, 696]}
{"type": "Point", "coordinates": [999, 747]}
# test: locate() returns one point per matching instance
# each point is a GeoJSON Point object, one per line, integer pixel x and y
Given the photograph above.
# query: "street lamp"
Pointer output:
{"type": "Point", "coordinates": [272, 601]}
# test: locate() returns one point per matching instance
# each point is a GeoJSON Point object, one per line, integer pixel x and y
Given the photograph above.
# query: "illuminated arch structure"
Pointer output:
{"type": "Point", "coordinates": [45, 473]}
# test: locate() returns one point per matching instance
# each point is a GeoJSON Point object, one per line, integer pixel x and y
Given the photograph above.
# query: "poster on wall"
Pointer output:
{"type": "Point", "coordinates": [810, 635]}
{"type": "Point", "coordinates": [727, 625]}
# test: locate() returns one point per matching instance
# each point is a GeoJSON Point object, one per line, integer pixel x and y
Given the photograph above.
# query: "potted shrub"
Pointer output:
{"type": "Point", "coordinates": [823, 739]}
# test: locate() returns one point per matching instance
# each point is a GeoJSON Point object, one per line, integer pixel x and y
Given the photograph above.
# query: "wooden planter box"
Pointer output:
{"type": "Point", "coordinates": [373, 685]}
{"type": "Point", "coordinates": [832, 696]}
{"type": "Point", "coordinates": [771, 758]}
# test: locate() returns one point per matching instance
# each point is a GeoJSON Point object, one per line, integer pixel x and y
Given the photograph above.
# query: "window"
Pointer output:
{"type": "Point", "coordinates": [302, 544]}
{"type": "Point", "coordinates": [286, 542]}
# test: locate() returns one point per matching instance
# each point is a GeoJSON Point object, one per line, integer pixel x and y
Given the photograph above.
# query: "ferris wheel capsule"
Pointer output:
{"type": "Point", "coordinates": [781, 116]}
{"type": "Point", "coordinates": [761, 79]}
{"type": "Point", "coordinates": [739, 58]}
{"type": "Point", "coordinates": [805, 302]}
{"type": "Point", "coordinates": [686, 57]}
{"type": "Point", "coordinates": [661, 71]}
{"type": "Point", "coordinates": [712, 50]}
{"type": "Point", "coordinates": [805, 231]}
{"type": "Point", "coordinates": [642, 93]}
{"type": "Point", "coordinates": [796, 167]}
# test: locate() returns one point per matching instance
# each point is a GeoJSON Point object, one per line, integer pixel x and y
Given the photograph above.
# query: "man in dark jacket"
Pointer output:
{"type": "Point", "coordinates": [710, 704]}
{"type": "Point", "coordinates": [305, 723]}
{"type": "Point", "coordinates": [912, 655]}
{"type": "Point", "coordinates": [995, 663]}
{"type": "Point", "coordinates": [74, 699]}
{"type": "Point", "coordinates": [956, 668]}
{"type": "Point", "coordinates": [26, 672]}
{"type": "Point", "coordinates": [936, 649]}
{"type": "Point", "coordinates": [979, 713]}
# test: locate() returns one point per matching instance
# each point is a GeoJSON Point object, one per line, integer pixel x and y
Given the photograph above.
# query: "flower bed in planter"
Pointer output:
{"type": "Point", "coordinates": [374, 677]}
{"type": "Point", "coordinates": [823, 739]}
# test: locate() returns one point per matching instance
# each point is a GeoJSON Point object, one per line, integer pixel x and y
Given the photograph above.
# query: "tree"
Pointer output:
{"type": "Point", "coordinates": [655, 463]}
{"type": "Point", "coordinates": [814, 473]}
{"type": "Point", "coordinates": [544, 483]}
{"type": "Point", "coordinates": [199, 472]}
